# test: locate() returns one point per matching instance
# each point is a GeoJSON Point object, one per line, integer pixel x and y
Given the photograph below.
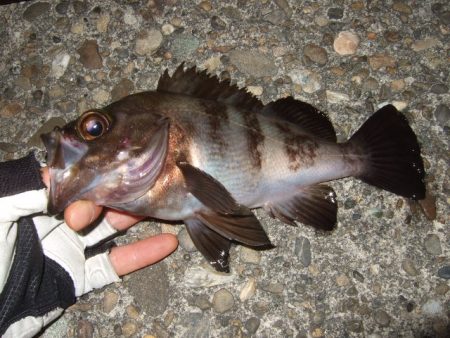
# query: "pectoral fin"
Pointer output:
{"type": "Point", "coordinates": [207, 189]}
{"type": "Point", "coordinates": [213, 246]}
{"type": "Point", "coordinates": [222, 219]}
{"type": "Point", "coordinates": [314, 205]}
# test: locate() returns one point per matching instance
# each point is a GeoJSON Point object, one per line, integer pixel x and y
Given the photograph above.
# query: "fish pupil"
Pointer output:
{"type": "Point", "coordinates": [94, 128]}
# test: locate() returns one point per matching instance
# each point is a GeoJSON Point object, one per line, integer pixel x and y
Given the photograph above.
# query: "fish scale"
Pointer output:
{"type": "Point", "coordinates": [205, 152]}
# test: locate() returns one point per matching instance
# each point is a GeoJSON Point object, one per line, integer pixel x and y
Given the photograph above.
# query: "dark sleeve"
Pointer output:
{"type": "Point", "coordinates": [20, 175]}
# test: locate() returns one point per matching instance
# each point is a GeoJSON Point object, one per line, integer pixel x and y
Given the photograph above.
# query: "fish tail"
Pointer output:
{"type": "Point", "coordinates": [391, 154]}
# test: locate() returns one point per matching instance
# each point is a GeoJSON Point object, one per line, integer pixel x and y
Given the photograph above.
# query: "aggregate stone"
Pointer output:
{"type": "Point", "coordinates": [223, 301]}
{"type": "Point", "coordinates": [302, 250]}
{"type": "Point", "coordinates": [248, 290]}
{"type": "Point", "coordinates": [195, 325]}
{"type": "Point", "coordinates": [89, 55]}
{"type": "Point", "coordinates": [110, 300]}
{"type": "Point", "coordinates": [62, 7]}
{"type": "Point", "coordinates": [444, 272]}
{"type": "Point", "coordinates": [439, 88]}
{"type": "Point", "coordinates": [185, 241]}
{"type": "Point", "coordinates": [253, 63]}
{"type": "Point", "coordinates": [379, 60]}
{"type": "Point", "coordinates": [202, 302]}
{"type": "Point", "coordinates": [309, 81]}
{"type": "Point", "coordinates": [8, 147]}
{"type": "Point", "coordinates": [427, 43]}
{"type": "Point", "coordinates": [249, 255]}
{"type": "Point", "coordinates": [315, 54]}
{"type": "Point", "coordinates": [335, 13]}
{"type": "Point", "coordinates": [199, 276]}
{"type": "Point", "coordinates": [381, 318]}
{"type": "Point", "coordinates": [252, 325]}
{"type": "Point", "coordinates": [346, 43]}
{"type": "Point", "coordinates": [11, 109]}
{"type": "Point", "coordinates": [409, 267]}
{"type": "Point", "coordinates": [84, 329]}
{"type": "Point", "coordinates": [442, 114]}
{"type": "Point", "coordinates": [129, 329]}
{"type": "Point", "coordinates": [36, 10]}
{"type": "Point", "coordinates": [433, 244]}
{"type": "Point", "coordinates": [184, 45]}
{"type": "Point", "coordinates": [153, 300]}
{"type": "Point", "coordinates": [148, 42]}
{"type": "Point", "coordinates": [273, 287]}
{"type": "Point", "coordinates": [354, 325]}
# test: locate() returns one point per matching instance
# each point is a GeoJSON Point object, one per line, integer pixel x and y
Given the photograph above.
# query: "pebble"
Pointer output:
{"type": "Point", "coordinates": [148, 42]}
{"type": "Point", "coordinates": [84, 329]}
{"type": "Point", "coordinates": [110, 300]}
{"type": "Point", "coordinates": [223, 301]}
{"type": "Point", "coordinates": [433, 244]}
{"type": "Point", "coordinates": [11, 109]}
{"type": "Point", "coordinates": [129, 18]}
{"type": "Point", "coordinates": [150, 289]}
{"type": "Point", "coordinates": [199, 277]}
{"type": "Point", "coordinates": [212, 64]}
{"type": "Point", "coordinates": [167, 29]}
{"type": "Point", "coordinates": [59, 64]}
{"type": "Point", "coordinates": [354, 325]}
{"type": "Point", "coordinates": [342, 280]}
{"type": "Point", "coordinates": [307, 79]}
{"type": "Point", "coordinates": [253, 63]}
{"type": "Point", "coordinates": [202, 302]}
{"type": "Point", "coordinates": [255, 90]}
{"type": "Point", "coordinates": [432, 308]}
{"type": "Point", "coordinates": [398, 85]}
{"type": "Point", "coordinates": [217, 23]}
{"type": "Point", "coordinates": [444, 272]}
{"type": "Point", "coordinates": [129, 329]}
{"type": "Point", "coordinates": [248, 290]}
{"type": "Point", "coordinates": [421, 45]}
{"type": "Point", "coordinates": [382, 318]}
{"type": "Point", "coordinates": [36, 10]}
{"type": "Point", "coordinates": [132, 312]}
{"type": "Point", "coordinates": [439, 88]}
{"type": "Point", "coordinates": [273, 287]}
{"type": "Point", "coordinates": [346, 43]}
{"type": "Point", "coordinates": [441, 289]}
{"type": "Point", "coordinates": [442, 114]}
{"type": "Point", "coordinates": [401, 7]}
{"type": "Point", "coordinates": [122, 89]}
{"type": "Point", "coordinates": [102, 23]}
{"type": "Point", "coordinates": [184, 45]}
{"type": "Point", "coordinates": [335, 13]}
{"type": "Point", "coordinates": [252, 325]}
{"type": "Point", "coordinates": [185, 241]}
{"type": "Point", "coordinates": [8, 147]}
{"type": "Point", "coordinates": [302, 250]}
{"type": "Point", "coordinates": [62, 7]}
{"type": "Point", "coordinates": [409, 267]}
{"type": "Point", "coordinates": [315, 54]}
{"type": "Point", "coordinates": [284, 5]}
{"type": "Point", "coordinates": [400, 105]}
{"type": "Point", "coordinates": [336, 97]}
{"type": "Point", "coordinates": [378, 61]}
{"type": "Point", "coordinates": [249, 255]}
{"type": "Point", "coordinates": [89, 55]}
{"type": "Point", "coordinates": [100, 96]}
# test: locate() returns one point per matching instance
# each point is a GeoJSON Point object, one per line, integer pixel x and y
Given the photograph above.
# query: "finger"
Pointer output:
{"type": "Point", "coordinates": [132, 257]}
{"type": "Point", "coordinates": [80, 214]}
{"type": "Point", "coordinates": [121, 220]}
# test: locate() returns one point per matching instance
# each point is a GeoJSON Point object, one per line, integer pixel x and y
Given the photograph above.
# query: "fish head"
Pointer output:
{"type": "Point", "coordinates": [110, 156]}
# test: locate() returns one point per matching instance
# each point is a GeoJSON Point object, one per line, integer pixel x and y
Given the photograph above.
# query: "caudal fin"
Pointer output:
{"type": "Point", "coordinates": [392, 154]}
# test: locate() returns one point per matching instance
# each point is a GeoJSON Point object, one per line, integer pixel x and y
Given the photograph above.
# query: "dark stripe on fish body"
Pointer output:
{"type": "Point", "coordinates": [217, 116]}
{"type": "Point", "coordinates": [255, 138]}
{"type": "Point", "coordinates": [300, 149]}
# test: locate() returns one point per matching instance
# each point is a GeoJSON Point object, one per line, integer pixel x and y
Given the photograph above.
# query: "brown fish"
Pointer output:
{"type": "Point", "coordinates": [205, 152]}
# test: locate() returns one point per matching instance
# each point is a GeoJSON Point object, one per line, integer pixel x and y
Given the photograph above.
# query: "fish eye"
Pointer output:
{"type": "Point", "coordinates": [92, 125]}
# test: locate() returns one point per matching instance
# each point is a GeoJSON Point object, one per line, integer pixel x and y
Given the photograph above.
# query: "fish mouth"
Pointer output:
{"type": "Point", "coordinates": [63, 153]}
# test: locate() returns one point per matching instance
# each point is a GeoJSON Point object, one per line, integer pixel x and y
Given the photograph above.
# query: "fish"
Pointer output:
{"type": "Point", "coordinates": [205, 152]}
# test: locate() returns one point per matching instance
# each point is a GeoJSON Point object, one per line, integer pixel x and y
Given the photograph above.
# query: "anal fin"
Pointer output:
{"type": "Point", "coordinates": [314, 205]}
{"type": "Point", "coordinates": [214, 247]}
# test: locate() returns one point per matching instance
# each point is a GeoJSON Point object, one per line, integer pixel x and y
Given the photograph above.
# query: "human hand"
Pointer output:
{"type": "Point", "coordinates": [128, 258]}
{"type": "Point", "coordinates": [43, 267]}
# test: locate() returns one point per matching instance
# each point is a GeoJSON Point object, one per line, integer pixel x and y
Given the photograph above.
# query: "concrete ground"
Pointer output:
{"type": "Point", "coordinates": [384, 272]}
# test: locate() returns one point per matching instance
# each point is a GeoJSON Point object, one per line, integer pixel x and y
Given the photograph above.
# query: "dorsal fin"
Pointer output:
{"type": "Point", "coordinates": [304, 115]}
{"type": "Point", "coordinates": [204, 86]}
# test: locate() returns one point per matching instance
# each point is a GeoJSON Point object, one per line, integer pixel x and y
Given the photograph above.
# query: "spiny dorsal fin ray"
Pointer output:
{"type": "Point", "coordinates": [302, 114]}
{"type": "Point", "coordinates": [204, 86]}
